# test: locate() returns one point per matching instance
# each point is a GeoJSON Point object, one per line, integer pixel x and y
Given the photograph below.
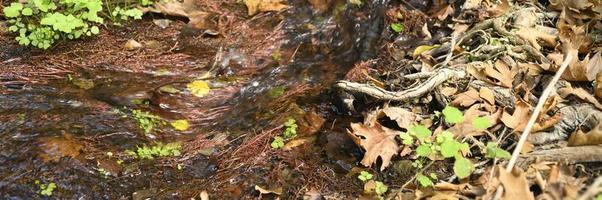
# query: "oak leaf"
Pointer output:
{"type": "Point", "coordinates": [378, 141]}
{"type": "Point", "coordinates": [515, 184]}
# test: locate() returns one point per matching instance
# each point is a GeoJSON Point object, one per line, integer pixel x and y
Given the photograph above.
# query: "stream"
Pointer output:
{"type": "Point", "coordinates": [74, 131]}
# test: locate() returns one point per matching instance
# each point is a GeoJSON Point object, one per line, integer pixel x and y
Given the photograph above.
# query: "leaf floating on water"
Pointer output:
{"type": "Point", "coordinates": [53, 149]}
{"type": "Point", "coordinates": [198, 88]}
{"type": "Point", "coordinates": [256, 6]}
{"type": "Point", "coordinates": [180, 125]}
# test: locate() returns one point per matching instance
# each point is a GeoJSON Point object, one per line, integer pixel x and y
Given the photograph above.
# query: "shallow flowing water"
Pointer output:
{"type": "Point", "coordinates": [66, 131]}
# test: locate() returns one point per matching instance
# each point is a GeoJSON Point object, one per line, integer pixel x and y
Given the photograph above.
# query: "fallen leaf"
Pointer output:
{"type": "Point", "coordinates": [487, 95]}
{"type": "Point", "coordinates": [190, 9]}
{"type": "Point", "coordinates": [277, 191]}
{"type": "Point", "coordinates": [592, 137]}
{"type": "Point", "coordinates": [255, 6]}
{"type": "Point", "coordinates": [180, 125]}
{"type": "Point", "coordinates": [298, 142]}
{"type": "Point", "coordinates": [312, 194]}
{"type": "Point", "coordinates": [421, 49]}
{"type": "Point", "coordinates": [54, 148]}
{"type": "Point", "coordinates": [519, 118]}
{"type": "Point", "coordinates": [444, 12]}
{"type": "Point", "coordinates": [402, 116]}
{"type": "Point", "coordinates": [466, 99]}
{"type": "Point", "coordinates": [580, 93]}
{"type": "Point", "coordinates": [598, 86]}
{"type": "Point", "coordinates": [499, 9]}
{"type": "Point", "coordinates": [132, 45]}
{"type": "Point", "coordinates": [378, 141]}
{"type": "Point", "coordinates": [515, 184]}
{"type": "Point", "coordinates": [467, 127]}
{"type": "Point", "coordinates": [471, 4]}
{"type": "Point", "coordinates": [83, 83]}
{"type": "Point", "coordinates": [198, 88]}
{"type": "Point", "coordinates": [533, 35]}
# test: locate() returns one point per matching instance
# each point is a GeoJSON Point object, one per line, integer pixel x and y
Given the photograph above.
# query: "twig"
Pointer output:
{"type": "Point", "coordinates": [538, 108]}
{"type": "Point", "coordinates": [414, 177]}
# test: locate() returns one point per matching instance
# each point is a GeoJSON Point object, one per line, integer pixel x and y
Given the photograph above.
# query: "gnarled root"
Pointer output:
{"type": "Point", "coordinates": [437, 78]}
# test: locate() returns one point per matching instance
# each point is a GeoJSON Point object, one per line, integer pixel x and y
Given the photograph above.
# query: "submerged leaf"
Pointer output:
{"type": "Point", "coordinates": [180, 125]}
{"type": "Point", "coordinates": [198, 88]}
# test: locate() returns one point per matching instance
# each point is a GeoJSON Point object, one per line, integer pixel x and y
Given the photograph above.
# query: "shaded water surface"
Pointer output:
{"type": "Point", "coordinates": [74, 132]}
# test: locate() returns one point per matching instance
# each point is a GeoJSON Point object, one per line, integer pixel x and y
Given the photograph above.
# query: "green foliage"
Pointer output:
{"type": "Point", "coordinates": [290, 132]}
{"type": "Point", "coordinates": [277, 143]}
{"type": "Point", "coordinates": [453, 115]}
{"type": "Point", "coordinates": [40, 23]}
{"type": "Point", "coordinates": [46, 189]}
{"type": "Point", "coordinates": [493, 151]}
{"type": "Point", "coordinates": [397, 27]}
{"type": "Point", "coordinates": [481, 123]}
{"type": "Point", "coordinates": [147, 121]}
{"type": "Point", "coordinates": [364, 176]}
{"type": "Point", "coordinates": [424, 181]}
{"type": "Point", "coordinates": [380, 188]}
{"type": "Point", "coordinates": [463, 167]}
{"type": "Point", "coordinates": [157, 150]}
{"type": "Point", "coordinates": [291, 129]}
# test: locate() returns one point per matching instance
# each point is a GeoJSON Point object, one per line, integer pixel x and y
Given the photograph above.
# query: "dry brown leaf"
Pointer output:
{"type": "Point", "coordinates": [533, 35]}
{"type": "Point", "coordinates": [501, 72]}
{"type": "Point", "coordinates": [515, 184]}
{"type": "Point", "coordinates": [448, 91]}
{"type": "Point", "coordinates": [499, 9]}
{"type": "Point", "coordinates": [277, 191]}
{"type": "Point", "coordinates": [519, 118]}
{"type": "Point", "coordinates": [580, 93]}
{"type": "Point", "coordinates": [298, 142]}
{"type": "Point", "coordinates": [471, 4]}
{"type": "Point", "coordinates": [465, 99]}
{"type": "Point", "coordinates": [378, 141]}
{"type": "Point", "coordinates": [256, 6]}
{"type": "Point", "coordinates": [592, 137]}
{"type": "Point", "coordinates": [188, 8]}
{"type": "Point", "coordinates": [444, 12]}
{"type": "Point", "coordinates": [404, 117]}
{"type": "Point", "coordinates": [487, 95]}
{"type": "Point", "coordinates": [598, 86]}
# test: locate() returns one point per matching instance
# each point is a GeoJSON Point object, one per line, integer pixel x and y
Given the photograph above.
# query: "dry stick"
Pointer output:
{"type": "Point", "coordinates": [531, 123]}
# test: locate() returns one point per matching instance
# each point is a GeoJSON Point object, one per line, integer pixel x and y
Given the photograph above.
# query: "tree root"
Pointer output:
{"type": "Point", "coordinates": [439, 76]}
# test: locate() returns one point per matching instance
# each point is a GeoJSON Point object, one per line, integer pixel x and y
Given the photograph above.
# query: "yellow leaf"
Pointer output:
{"type": "Point", "coordinates": [180, 125]}
{"type": "Point", "coordinates": [198, 88]}
{"type": "Point", "coordinates": [255, 6]}
{"type": "Point", "coordinates": [421, 49]}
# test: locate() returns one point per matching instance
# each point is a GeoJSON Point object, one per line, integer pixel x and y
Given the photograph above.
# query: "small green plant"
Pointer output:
{"type": "Point", "coordinates": [364, 176]}
{"type": "Point", "coordinates": [290, 132]}
{"type": "Point", "coordinates": [46, 189]}
{"type": "Point", "coordinates": [103, 172]}
{"type": "Point", "coordinates": [147, 121]}
{"type": "Point", "coordinates": [397, 27]}
{"type": "Point", "coordinates": [444, 145]}
{"type": "Point", "coordinates": [40, 23]}
{"type": "Point", "coordinates": [277, 143]}
{"type": "Point", "coordinates": [157, 150]}
{"type": "Point", "coordinates": [380, 189]}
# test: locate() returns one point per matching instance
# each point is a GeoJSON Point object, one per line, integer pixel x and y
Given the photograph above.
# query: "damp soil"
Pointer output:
{"type": "Point", "coordinates": [65, 113]}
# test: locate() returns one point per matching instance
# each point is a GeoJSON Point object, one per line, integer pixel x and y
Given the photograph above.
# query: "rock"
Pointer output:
{"type": "Point", "coordinates": [162, 23]}
{"type": "Point", "coordinates": [132, 45]}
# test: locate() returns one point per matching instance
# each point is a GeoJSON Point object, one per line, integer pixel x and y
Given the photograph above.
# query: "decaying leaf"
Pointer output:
{"type": "Point", "coordinates": [54, 148]}
{"type": "Point", "coordinates": [499, 74]}
{"type": "Point", "coordinates": [465, 99]}
{"type": "Point", "coordinates": [580, 93]}
{"type": "Point", "coordinates": [592, 137]}
{"type": "Point", "coordinates": [198, 88]}
{"type": "Point", "coordinates": [188, 8]}
{"type": "Point", "coordinates": [378, 141]}
{"type": "Point", "coordinates": [533, 35]}
{"type": "Point", "coordinates": [255, 6]}
{"type": "Point", "coordinates": [519, 118]}
{"type": "Point", "coordinates": [499, 9]}
{"type": "Point", "coordinates": [487, 95]}
{"type": "Point", "coordinates": [402, 116]}
{"type": "Point", "coordinates": [515, 184]}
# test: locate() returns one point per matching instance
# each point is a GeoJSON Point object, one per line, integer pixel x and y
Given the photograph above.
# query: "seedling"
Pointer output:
{"type": "Point", "coordinates": [364, 176]}
{"type": "Point", "coordinates": [46, 189]}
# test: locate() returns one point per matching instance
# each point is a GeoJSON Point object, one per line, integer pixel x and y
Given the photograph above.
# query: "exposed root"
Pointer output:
{"type": "Point", "coordinates": [439, 77]}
